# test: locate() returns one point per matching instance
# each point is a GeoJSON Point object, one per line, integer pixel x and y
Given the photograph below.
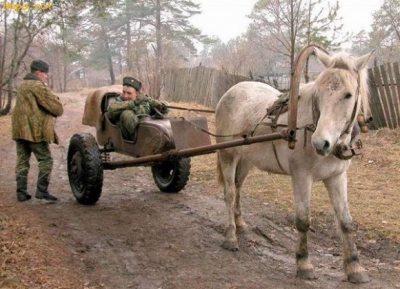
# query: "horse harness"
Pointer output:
{"type": "Point", "coordinates": [341, 150]}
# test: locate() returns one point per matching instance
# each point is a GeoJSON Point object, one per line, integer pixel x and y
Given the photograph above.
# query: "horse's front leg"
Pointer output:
{"type": "Point", "coordinates": [302, 192]}
{"type": "Point", "coordinates": [337, 188]}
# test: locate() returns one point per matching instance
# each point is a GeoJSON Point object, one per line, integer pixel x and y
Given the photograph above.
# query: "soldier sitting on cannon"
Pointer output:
{"type": "Point", "coordinates": [126, 108]}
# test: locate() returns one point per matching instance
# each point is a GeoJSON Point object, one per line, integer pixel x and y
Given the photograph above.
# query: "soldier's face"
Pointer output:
{"type": "Point", "coordinates": [42, 75]}
{"type": "Point", "coordinates": [128, 92]}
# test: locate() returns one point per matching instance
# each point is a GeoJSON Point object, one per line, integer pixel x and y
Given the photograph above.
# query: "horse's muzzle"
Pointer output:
{"type": "Point", "coordinates": [323, 147]}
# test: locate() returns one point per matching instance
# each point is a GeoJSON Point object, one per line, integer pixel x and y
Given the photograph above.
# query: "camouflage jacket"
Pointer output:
{"type": "Point", "coordinates": [142, 104]}
{"type": "Point", "coordinates": [33, 115]}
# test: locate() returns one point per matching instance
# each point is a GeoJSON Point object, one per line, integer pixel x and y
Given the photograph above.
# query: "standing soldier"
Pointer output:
{"type": "Point", "coordinates": [33, 129]}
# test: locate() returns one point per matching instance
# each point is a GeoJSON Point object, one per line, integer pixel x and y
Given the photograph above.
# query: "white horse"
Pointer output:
{"type": "Point", "coordinates": [331, 103]}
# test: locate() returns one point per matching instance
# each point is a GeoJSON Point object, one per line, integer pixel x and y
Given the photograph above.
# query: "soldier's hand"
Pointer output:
{"type": "Point", "coordinates": [164, 109]}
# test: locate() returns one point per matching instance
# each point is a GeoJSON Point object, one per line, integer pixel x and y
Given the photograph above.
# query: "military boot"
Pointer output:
{"type": "Point", "coordinates": [22, 193]}
{"type": "Point", "coordinates": [42, 186]}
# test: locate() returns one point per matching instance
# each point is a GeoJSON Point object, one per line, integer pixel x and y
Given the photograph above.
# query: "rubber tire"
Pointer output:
{"type": "Point", "coordinates": [172, 176]}
{"type": "Point", "coordinates": [85, 168]}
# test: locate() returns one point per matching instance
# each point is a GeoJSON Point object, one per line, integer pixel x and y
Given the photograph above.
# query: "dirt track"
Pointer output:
{"type": "Point", "coordinates": [137, 237]}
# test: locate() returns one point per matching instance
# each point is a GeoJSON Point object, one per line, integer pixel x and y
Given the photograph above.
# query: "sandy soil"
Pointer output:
{"type": "Point", "coordinates": [138, 237]}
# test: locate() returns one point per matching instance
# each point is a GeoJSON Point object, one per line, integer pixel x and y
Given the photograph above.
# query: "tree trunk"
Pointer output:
{"type": "Point", "coordinates": [128, 46]}
{"type": "Point", "coordinates": [159, 56]}
{"type": "Point", "coordinates": [65, 52]}
{"type": "Point", "coordinates": [64, 89]}
{"type": "Point", "coordinates": [292, 35]}
{"type": "Point", "coordinates": [109, 58]}
{"type": "Point", "coordinates": [306, 69]}
{"type": "Point", "coordinates": [7, 107]}
{"type": "Point", "coordinates": [3, 49]}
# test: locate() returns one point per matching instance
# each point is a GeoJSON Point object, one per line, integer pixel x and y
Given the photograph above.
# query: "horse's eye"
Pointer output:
{"type": "Point", "coordinates": [347, 96]}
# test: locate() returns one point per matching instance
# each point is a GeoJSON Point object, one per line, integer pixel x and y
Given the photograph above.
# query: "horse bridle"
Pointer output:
{"type": "Point", "coordinates": [341, 150]}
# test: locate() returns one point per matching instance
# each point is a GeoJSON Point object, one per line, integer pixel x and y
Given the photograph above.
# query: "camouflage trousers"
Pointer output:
{"type": "Point", "coordinates": [127, 124]}
{"type": "Point", "coordinates": [41, 150]}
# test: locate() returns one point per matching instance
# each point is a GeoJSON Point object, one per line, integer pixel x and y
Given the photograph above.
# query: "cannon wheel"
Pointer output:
{"type": "Point", "coordinates": [172, 176]}
{"type": "Point", "coordinates": [85, 169]}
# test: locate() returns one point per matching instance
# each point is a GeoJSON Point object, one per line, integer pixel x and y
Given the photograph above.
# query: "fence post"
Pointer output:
{"type": "Point", "coordinates": [375, 104]}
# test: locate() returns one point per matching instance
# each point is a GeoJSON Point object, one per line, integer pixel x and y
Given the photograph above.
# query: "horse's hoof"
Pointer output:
{"type": "Point", "coordinates": [358, 277]}
{"type": "Point", "coordinates": [306, 274]}
{"type": "Point", "coordinates": [230, 245]}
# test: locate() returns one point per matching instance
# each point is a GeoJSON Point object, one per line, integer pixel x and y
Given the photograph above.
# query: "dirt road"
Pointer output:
{"type": "Point", "coordinates": [137, 237]}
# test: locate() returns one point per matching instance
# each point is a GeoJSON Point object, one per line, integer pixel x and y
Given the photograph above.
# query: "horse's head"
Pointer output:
{"type": "Point", "coordinates": [340, 94]}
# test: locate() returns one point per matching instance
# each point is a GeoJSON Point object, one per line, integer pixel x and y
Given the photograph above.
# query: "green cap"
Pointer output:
{"type": "Point", "coordinates": [130, 81]}
{"type": "Point", "coordinates": [39, 65]}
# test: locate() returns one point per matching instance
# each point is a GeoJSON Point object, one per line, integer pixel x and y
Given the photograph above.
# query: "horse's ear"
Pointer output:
{"type": "Point", "coordinates": [362, 61]}
{"type": "Point", "coordinates": [322, 56]}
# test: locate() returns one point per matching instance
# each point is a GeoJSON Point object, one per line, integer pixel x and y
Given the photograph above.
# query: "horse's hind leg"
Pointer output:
{"type": "Point", "coordinates": [227, 166]}
{"type": "Point", "coordinates": [337, 188]}
{"type": "Point", "coordinates": [242, 169]}
{"type": "Point", "coordinates": [302, 192]}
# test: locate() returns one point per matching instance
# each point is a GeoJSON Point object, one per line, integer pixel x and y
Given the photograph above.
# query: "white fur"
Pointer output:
{"type": "Point", "coordinates": [245, 104]}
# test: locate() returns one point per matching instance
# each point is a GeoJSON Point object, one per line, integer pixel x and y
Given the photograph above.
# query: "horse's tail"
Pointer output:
{"type": "Point", "coordinates": [219, 171]}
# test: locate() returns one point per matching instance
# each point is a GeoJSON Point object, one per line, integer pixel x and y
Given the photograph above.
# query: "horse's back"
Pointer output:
{"type": "Point", "coordinates": [246, 93]}
{"type": "Point", "coordinates": [243, 105]}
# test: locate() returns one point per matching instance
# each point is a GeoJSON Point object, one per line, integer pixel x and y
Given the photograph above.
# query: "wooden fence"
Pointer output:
{"type": "Point", "coordinates": [200, 84]}
{"type": "Point", "coordinates": [385, 95]}
{"type": "Point", "coordinates": [206, 85]}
